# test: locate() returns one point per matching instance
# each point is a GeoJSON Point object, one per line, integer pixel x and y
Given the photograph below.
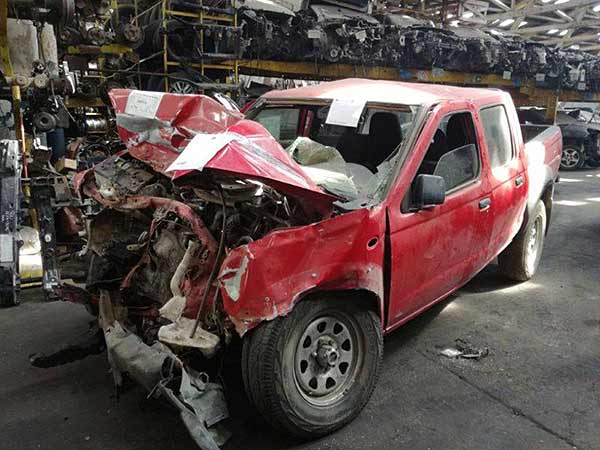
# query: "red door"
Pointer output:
{"type": "Point", "coordinates": [436, 250]}
{"type": "Point", "coordinates": [507, 177]}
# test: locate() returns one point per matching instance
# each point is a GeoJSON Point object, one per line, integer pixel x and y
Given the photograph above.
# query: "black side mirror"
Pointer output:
{"type": "Point", "coordinates": [428, 191]}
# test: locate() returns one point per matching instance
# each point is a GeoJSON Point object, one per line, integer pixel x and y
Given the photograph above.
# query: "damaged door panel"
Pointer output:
{"type": "Point", "coordinates": [205, 230]}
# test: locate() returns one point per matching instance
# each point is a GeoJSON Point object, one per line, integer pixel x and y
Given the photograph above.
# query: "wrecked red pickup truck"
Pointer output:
{"type": "Point", "coordinates": [327, 217]}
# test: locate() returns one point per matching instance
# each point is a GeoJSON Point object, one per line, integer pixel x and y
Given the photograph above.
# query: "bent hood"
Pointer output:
{"type": "Point", "coordinates": [179, 135]}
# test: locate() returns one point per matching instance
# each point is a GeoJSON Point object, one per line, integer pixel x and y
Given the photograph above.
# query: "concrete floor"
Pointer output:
{"type": "Point", "coordinates": [539, 388]}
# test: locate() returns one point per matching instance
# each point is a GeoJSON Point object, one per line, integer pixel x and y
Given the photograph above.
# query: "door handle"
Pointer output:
{"type": "Point", "coordinates": [485, 203]}
{"type": "Point", "coordinates": [519, 180]}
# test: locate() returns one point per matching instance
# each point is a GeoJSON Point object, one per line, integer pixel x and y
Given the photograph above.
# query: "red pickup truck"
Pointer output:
{"type": "Point", "coordinates": [387, 197]}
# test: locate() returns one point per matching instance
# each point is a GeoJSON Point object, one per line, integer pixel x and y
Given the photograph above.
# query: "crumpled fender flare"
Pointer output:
{"type": "Point", "coordinates": [266, 278]}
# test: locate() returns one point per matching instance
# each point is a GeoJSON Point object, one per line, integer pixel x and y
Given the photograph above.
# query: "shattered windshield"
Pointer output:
{"type": "Point", "coordinates": [349, 162]}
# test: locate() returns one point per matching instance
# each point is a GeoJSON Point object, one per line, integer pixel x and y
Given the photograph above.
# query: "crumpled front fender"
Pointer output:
{"type": "Point", "coordinates": [264, 279]}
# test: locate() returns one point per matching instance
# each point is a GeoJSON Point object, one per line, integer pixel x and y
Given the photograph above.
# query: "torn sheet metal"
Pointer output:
{"type": "Point", "coordinates": [263, 280]}
{"type": "Point", "coordinates": [201, 403]}
{"type": "Point", "coordinates": [158, 140]}
{"type": "Point", "coordinates": [253, 154]}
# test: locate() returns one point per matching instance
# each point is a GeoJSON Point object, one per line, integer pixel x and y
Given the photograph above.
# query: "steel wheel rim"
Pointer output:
{"type": "Point", "coordinates": [327, 358]}
{"type": "Point", "coordinates": [570, 157]}
{"type": "Point", "coordinates": [533, 244]}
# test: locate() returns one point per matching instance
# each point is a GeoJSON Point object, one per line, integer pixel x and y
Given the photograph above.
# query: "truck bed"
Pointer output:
{"type": "Point", "coordinates": [543, 147]}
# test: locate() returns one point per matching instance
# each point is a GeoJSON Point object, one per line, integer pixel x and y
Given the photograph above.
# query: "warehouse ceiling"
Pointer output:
{"type": "Point", "coordinates": [573, 24]}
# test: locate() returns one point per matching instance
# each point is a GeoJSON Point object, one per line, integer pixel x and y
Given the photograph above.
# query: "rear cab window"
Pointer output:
{"type": "Point", "coordinates": [282, 123]}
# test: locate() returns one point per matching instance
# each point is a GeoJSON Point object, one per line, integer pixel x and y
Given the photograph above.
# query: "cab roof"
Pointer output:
{"type": "Point", "coordinates": [381, 91]}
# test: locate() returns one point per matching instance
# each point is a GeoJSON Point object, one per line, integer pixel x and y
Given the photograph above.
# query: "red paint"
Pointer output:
{"type": "Point", "coordinates": [286, 264]}
{"type": "Point", "coordinates": [179, 117]}
{"type": "Point", "coordinates": [432, 252]}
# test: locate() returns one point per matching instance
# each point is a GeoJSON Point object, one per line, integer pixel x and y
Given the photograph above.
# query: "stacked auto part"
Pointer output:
{"type": "Point", "coordinates": [333, 34]}
{"type": "Point", "coordinates": [10, 221]}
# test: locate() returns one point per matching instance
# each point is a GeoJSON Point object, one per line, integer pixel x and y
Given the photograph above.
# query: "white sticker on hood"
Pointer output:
{"type": "Point", "coordinates": [345, 112]}
{"type": "Point", "coordinates": [143, 104]}
{"type": "Point", "coordinates": [201, 149]}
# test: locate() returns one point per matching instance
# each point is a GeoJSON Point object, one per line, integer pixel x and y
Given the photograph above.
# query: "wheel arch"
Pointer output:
{"type": "Point", "coordinates": [548, 199]}
{"type": "Point", "coordinates": [371, 299]}
{"type": "Point", "coordinates": [365, 296]}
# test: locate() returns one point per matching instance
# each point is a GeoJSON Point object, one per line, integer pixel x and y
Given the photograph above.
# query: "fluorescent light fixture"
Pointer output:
{"type": "Point", "coordinates": [454, 23]}
{"type": "Point", "coordinates": [449, 16]}
{"type": "Point", "coordinates": [563, 14]}
{"type": "Point", "coordinates": [553, 31]}
{"type": "Point", "coordinates": [522, 24]}
{"type": "Point", "coordinates": [574, 47]}
{"type": "Point", "coordinates": [563, 33]}
{"type": "Point", "coordinates": [560, 2]}
{"type": "Point", "coordinates": [495, 32]}
{"type": "Point", "coordinates": [506, 22]}
{"type": "Point", "coordinates": [596, 8]}
{"type": "Point", "coordinates": [468, 14]}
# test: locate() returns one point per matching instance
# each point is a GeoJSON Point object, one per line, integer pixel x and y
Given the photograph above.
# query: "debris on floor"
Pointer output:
{"type": "Point", "coordinates": [463, 349]}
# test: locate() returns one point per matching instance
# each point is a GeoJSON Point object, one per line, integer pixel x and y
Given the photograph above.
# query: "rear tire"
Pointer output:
{"type": "Point", "coordinates": [312, 372]}
{"type": "Point", "coordinates": [520, 260]}
{"type": "Point", "coordinates": [573, 158]}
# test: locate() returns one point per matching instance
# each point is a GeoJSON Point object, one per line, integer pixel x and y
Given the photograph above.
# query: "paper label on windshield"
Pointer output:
{"type": "Point", "coordinates": [201, 149]}
{"type": "Point", "coordinates": [345, 112]}
{"type": "Point", "coordinates": [143, 104]}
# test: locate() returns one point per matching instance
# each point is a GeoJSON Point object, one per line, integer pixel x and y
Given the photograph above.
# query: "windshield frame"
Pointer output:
{"type": "Point", "coordinates": [397, 158]}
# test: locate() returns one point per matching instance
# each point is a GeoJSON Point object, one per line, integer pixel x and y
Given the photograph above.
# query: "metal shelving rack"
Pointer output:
{"type": "Point", "coordinates": [525, 92]}
{"type": "Point", "coordinates": [225, 72]}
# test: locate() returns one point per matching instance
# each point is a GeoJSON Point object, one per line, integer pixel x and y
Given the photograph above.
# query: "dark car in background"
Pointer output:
{"type": "Point", "coordinates": [580, 129]}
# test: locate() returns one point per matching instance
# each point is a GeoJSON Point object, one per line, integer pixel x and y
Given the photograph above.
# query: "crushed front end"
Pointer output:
{"type": "Point", "coordinates": [158, 238]}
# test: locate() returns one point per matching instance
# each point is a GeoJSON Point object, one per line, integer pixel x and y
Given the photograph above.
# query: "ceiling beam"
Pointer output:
{"type": "Point", "coordinates": [579, 38]}
{"type": "Point", "coordinates": [579, 13]}
{"type": "Point", "coordinates": [547, 18]}
{"type": "Point", "coordinates": [501, 4]}
{"type": "Point", "coordinates": [537, 10]}
{"type": "Point", "coordinates": [560, 26]}
{"type": "Point", "coordinates": [590, 48]}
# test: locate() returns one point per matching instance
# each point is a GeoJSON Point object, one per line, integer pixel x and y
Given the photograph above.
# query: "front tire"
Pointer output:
{"type": "Point", "coordinates": [312, 372]}
{"type": "Point", "coordinates": [520, 260]}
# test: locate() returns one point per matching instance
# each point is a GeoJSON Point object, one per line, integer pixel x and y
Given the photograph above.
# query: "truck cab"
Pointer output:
{"type": "Point", "coordinates": [325, 218]}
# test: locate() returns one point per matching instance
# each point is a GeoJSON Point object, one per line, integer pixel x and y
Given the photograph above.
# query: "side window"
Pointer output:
{"type": "Point", "coordinates": [453, 153]}
{"type": "Point", "coordinates": [458, 166]}
{"type": "Point", "coordinates": [497, 135]}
